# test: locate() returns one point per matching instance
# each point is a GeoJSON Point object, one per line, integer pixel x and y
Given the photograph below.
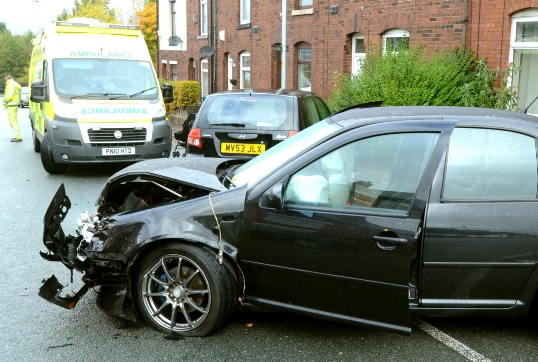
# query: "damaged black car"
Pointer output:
{"type": "Point", "coordinates": [365, 218]}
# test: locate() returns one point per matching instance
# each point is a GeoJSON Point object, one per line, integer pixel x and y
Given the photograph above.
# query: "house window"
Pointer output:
{"type": "Point", "coordinates": [245, 11]}
{"type": "Point", "coordinates": [524, 53]}
{"type": "Point", "coordinates": [204, 75]}
{"type": "Point", "coordinates": [394, 40]}
{"type": "Point", "coordinates": [173, 69]}
{"type": "Point", "coordinates": [163, 74]}
{"type": "Point", "coordinates": [304, 67]}
{"type": "Point", "coordinates": [306, 3]}
{"type": "Point", "coordinates": [173, 13]}
{"type": "Point", "coordinates": [191, 69]}
{"type": "Point", "coordinates": [245, 70]}
{"type": "Point", "coordinates": [203, 17]}
{"type": "Point", "coordinates": [358, 53]}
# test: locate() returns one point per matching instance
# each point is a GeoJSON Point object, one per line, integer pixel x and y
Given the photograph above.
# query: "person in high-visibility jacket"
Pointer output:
{"type": "Point", "coordinates": [12, 100]}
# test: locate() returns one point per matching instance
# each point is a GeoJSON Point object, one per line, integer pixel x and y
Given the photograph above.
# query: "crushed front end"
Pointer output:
{"type": "Point", "coordinates": [73, 252]}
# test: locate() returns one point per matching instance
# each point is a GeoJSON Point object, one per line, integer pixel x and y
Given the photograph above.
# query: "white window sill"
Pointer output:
{"type": "Point", "coordinates": [302, 12]}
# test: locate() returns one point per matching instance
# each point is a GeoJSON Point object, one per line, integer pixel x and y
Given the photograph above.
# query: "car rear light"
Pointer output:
{"type": "Point", "coordinates": [195, 138]}
{"type": "Point", "coordinates": [292, 133]}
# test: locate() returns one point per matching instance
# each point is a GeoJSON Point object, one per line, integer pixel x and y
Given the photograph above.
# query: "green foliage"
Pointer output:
{"type": "Point", "coordinates": [15, 52]}
{"type": "Point", "coordinates": [147, 20]}
{"type": "Point", "coordinates": [480, 92]}
{"type": "Point", "coordinates": [186, 93]}
{"type": "Point", "coordinates": [415, 77]}
{"type": "Point", "coordinates": [95, 9]}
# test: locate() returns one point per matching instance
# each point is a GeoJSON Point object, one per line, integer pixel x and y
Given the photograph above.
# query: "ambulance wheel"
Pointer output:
{"type": "Point", "coordinates": [35, 141]}
{"type": "Point", "coordinates": [47, 157]}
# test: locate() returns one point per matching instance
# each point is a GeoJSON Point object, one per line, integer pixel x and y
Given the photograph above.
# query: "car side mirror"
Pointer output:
{"type": "Point", "coordinates": [168, 93]}
{"type": "Point", "coordinates": [273, 197]}
{"type": "Point", "coordinates": [39, 92]}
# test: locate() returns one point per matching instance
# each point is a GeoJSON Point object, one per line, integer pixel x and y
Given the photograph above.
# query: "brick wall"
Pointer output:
{"type": "Point", "coordinates": [437, 24]}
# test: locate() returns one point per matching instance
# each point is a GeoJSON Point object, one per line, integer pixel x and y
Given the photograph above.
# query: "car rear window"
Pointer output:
{"type": "Point", "coordinates": [249, 111]}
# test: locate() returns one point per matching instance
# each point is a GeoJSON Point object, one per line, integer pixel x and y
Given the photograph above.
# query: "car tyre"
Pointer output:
{"type": "Point", "coordinates": [47, 157]}
{"type": "Point", "coordinates": [182, 289]}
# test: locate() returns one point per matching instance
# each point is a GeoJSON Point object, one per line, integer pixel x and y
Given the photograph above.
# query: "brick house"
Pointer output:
{"type": "Point", "coordinates": [226, 44]}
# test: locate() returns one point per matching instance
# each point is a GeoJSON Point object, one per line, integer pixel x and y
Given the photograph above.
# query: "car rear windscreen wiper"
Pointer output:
{"type": "Point", "coordinates": [134, 94]}
{"type": "Point", "coordinates": [230, 124]}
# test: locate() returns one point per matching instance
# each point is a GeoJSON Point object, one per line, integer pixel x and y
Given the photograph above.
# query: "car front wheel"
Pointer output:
{"type": "Point", "coordinates": [182, 289]}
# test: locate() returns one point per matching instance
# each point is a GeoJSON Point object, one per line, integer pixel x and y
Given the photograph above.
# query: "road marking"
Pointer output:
{"type": "Point", "coordinates": [450, 342]}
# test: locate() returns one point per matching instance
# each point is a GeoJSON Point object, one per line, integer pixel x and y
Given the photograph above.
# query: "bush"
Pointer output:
{"type": "Point", "coordinates": [415, 77]}
{"type": "Point", "coordinates": [186, 93]}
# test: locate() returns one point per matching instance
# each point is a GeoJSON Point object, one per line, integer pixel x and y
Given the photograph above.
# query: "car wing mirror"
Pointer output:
{"type": "Point", "coordinates": [168, 93]}
{"type": "Point", "coordinates": [39, 92]}
{"type": "Point", "coordinates": [272, 198]}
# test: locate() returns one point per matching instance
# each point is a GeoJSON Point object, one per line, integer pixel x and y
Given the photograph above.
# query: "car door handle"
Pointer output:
{"type": "Point", "coordinates": [388, 240]}
{"type": "Point", "coordinates": [388, 243]}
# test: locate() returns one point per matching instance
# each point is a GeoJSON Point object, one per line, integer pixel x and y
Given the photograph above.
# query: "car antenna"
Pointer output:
{"type": "Point", "coordinates": [524, 110]}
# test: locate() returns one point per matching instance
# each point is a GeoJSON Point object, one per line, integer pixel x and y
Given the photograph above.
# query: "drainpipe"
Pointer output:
{"type": "Point", "coordinates": [157, 65]}
{"type": "Point", "coordinates": [214, 45]}
{"type": "Point", "coordinates": [465, 21]}
{"type": "Point", "coordinates": [283, 52]}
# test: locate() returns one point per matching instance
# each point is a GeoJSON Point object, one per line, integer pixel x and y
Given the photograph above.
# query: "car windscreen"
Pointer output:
{"type": "Point", "coordinates": [248, 111]}
{"type": "Point", "coordinates": [104, 77]}
{"type": "Point", "coordinates": [281, 154]}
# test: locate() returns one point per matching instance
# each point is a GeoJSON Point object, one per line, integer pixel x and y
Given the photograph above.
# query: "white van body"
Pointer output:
{"type": "Point", "coordinates": [95, 96]}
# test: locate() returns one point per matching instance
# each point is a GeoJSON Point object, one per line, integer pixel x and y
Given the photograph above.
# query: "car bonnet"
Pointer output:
{"type": "Point", "coordinates": [197, 172]}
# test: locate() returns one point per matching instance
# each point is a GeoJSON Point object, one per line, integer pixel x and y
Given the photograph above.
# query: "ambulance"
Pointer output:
{"type": "Point", "coordinates": [95, 97]}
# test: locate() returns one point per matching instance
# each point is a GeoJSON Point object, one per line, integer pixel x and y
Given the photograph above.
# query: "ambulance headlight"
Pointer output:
{"type": "Point", "coordinates": [159, 111]}
{"type": "Point", "coordinates": [65, 110]}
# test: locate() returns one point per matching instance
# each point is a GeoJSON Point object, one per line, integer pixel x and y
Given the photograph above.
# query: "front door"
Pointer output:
{"type": "Point", "coordinates": [342, 244]}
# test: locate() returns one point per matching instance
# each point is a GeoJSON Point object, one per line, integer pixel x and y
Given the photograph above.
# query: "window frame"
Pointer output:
{"type": "Point", "coordinates": [244, 11]}
{"type": "Point", "coordinates": [300, 63]}
{"type": "Point", "coordinates": [244, 69]}
{"type": "Point", "coordinates": [203, 17]}
{"type": "Point", "coordinates": [529, 15]}
{"type": "Point", "coordinates": [394, 34]}
{"type": "Point", "coordinates": [173, 15]}
{"type": "Point", "coordinates": [301, 4]}
{"type": "Point", "coordinates": [204, 77]}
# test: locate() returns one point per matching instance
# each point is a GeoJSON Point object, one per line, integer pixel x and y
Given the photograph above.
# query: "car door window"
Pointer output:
{"type": "Point", "coordinates": [490, 164]}
{"type": "Point", "coordinates": [310, 112]}
{"type": "Point", "coordinates": [377, 173]}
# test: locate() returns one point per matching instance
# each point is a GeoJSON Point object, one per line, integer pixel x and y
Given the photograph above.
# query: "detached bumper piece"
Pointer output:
{"type": "Point", "coordinates": [52, 289]}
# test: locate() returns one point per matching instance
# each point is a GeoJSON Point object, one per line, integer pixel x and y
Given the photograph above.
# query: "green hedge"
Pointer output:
{"type": "Point", "coordinates": [186, 93]}
{"type": "Point", "coordinates": [419, 77]}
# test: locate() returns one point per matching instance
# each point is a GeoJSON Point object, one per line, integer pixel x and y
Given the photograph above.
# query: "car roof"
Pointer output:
{"type": "Point", "coordinates": [393, 113]}
{"type": "Point", "coordinates": [260, 91]}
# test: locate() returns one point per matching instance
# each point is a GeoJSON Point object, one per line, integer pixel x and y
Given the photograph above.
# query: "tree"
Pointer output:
{"type": "Point", "coordinates": [95, 9]}
{"type": "Point", "coordinates": [15, 52]}
{"type": "Point", "coordinates": [138, 5]}
{"type": "Point", "coordinates": [147, 20]}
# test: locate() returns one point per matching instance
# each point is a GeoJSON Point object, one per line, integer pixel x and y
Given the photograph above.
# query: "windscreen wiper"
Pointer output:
{"type": "Point", "coordinates": [228, 176]}
{"type": "Point", "coordinates": [88, 95]}
{"type": "Point", "coordinates": [134, 94]}
{"type": "Point", "coordinates": [524, 110]}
